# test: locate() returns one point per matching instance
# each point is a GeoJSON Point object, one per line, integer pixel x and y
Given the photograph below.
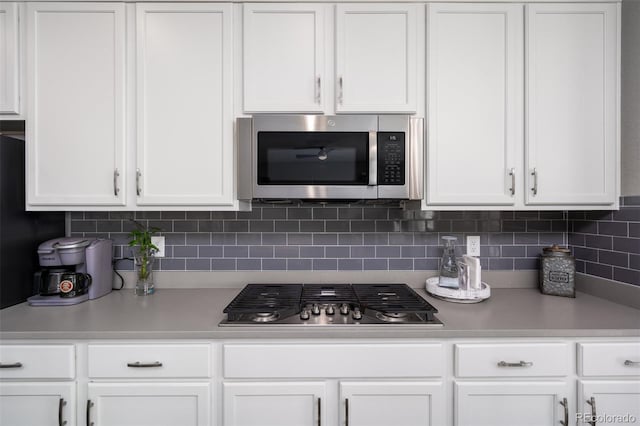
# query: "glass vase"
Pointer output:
{"type": "Point", "coordinates": [144, 273]}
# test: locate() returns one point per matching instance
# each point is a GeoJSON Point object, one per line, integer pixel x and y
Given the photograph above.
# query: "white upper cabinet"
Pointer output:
{"type": "Point", "coordinates": [9, 59]}
{"type": "Point", "coordinates": [376, 57]}
{"type": "Point", "coordinates": [474, 106]}
{"type": "Point", "coordinates": [76, 86]}
{"type": "Point", "coordinates": [184, 104]}
{"type": "Point", "coordinates": [572, 112]}
{"type": "Point", "coordinates": [284, 57]}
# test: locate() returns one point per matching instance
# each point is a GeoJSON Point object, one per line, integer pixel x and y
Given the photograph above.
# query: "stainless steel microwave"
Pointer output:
{"type": "Point", "coordinates": [355, 157]}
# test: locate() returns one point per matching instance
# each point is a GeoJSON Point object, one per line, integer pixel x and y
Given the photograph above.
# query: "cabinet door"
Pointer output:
{"type": "Point", "coordinates": [511, 403]}
{"type": "Point", "coordinates": [274, 404]}
{"type": "Point", "coordinates": [392, 403]}
{"type": "Point", "coordinates": [474, 106]}
{"type": "Point", "coordinates": [75, 130]}
{"type": "Point", "coordinates": [42, 404]}
{"type": "Point", "coordinates": [616, 401]}
{"type": "Point", "coordinates": [184, 94]}
{"type": "Point", "coordinates": [9, 59]}
{"type": "Point", "coordinates": [572, 103]}
{"type": "Point", "coordinates": [283, 54]}
{"type": "Point", "coordinates": [376, 57]}
{"type": "Point", "coordinates": [149, 404]}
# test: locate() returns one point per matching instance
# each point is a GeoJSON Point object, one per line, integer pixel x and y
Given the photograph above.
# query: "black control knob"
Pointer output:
{"type": "Point", "coordinates": [357, 315]}
{"type": "Point", "coordinates": [304, 314]}
{"type": "Point", "coordinates": [344, 309]}
{"type": "Point", "coordinates": [315, 309]}
{"type": "Point", "coordinates": [330, 310]}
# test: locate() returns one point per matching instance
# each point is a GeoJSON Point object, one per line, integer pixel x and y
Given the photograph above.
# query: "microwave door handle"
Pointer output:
{"type": "Point", "coordinates": [373, 158]}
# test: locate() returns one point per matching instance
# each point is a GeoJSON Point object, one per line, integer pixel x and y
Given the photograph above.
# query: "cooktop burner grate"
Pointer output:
{"type": "Point", "coordinates": [266, 298]}
{"type": "Point", "coordinates": [393, 299]}
{"type": "Point", "coordinates": [328, 293]}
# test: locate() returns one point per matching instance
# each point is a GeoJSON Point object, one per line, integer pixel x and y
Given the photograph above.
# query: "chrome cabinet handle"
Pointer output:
{"type": "Point", "coordinates": [534, 189]}
{"type": "Point", "coordinates": [565, 404]}
{"type": "Point", "coordinates": [319, 411]}
{"type": "Point", "coordinates": [340, 94]}
{"type": "Point", "coordinates": [139, 364]}
{"type": "Point", "coordinates": [512, 173]}
{"type": "Point", "coordinates": [346, 412]}
{"type": "Point", "coordinates": [592, 402]}
{"type": "Point", "coordinates": [138, 176]}
{"type": "Point", "coordinates": [61, 404]}
{"type": "Point", "coordinates": [373, 159]}
{"type": "Point", "coordinates": [116, 190]}
{"type": "Point", "coordinates": [14, 365]}
{"type": "Point", "coordinates": [515, 364]}
{"type": "Point", "coordinates": [89, 405]}
{"type": "Point", "coordinates": [629, 363]}
{"type": "Point", "coordinates": [318, 90]}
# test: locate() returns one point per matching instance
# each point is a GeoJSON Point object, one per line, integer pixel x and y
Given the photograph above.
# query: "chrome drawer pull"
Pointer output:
{"type": "Point", "coordinates": [565, 404]}
{"type": "Point", "coordinates": [512, 173]}
{"type": "Point", "coordinates": [61, 404]}
{"type": "Point", "coordinates": [14, 365]}
{"type": "Point", "coordinates": [592, 402]}
{"type": "Point", "coordinates": [319, 411]}
{"type": "Point", "coordinates": [628, 362]}
{"type": "Point", "coordinates": [139, 364]}
{"type": "Point", "coordinates": [346, 412]}
{"type": "Point", "coordinates": [515, 364]}
{"type": "Point", "coordinates": [89, 405]}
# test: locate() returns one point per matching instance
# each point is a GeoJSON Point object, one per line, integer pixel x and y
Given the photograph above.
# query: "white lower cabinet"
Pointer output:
{"type": "Point", "coordinates": [611, 402]}
{"type": "Point", "coordinates": [37, 403]}
{"type": "Point", "coordinates": [522, 403]}
{"type": "Point", "coordinates": [392, 403]}
{"type": "Point", "coordinates": [148, 404]}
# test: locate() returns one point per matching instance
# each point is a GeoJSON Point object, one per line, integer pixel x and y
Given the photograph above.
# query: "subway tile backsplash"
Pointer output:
{"type": "Point", "coordinates": [330, 237]}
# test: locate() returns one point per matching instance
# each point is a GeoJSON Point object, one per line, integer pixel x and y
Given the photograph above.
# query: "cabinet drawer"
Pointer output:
{"type": "Point", "coordinates": [38, 362]}
{"type": "Point", "coordinates": [512, 360]}
{"type": "Point", "coordinates": [609, 359]}
{"type": "Point", "coordinates": [324, 361]}
{"type": "Point", "coordinates": [149, 361]}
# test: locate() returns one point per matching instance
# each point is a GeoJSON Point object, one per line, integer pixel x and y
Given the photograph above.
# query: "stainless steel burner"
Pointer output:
{"type": "Point", "coordinates": [392, 316]}
{"type": "Point", "coordinates": [265, 317]}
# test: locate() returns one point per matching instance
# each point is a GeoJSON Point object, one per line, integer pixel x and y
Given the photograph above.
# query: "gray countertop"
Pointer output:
{"type": "Point", "coordinates": [195, 314]}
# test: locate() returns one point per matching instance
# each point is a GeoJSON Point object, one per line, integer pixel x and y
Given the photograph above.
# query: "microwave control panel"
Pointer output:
{"type": "Point", "coordinates": [391, 164]}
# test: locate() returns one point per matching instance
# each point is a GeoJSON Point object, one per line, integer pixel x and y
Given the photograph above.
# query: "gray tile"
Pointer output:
{"type": "Point", "coordinates": [286, 251]}
{"type": "Point", "coordinates": [580, 267]}
{"type": "Point", "coordinates": [559, 226]}
{"type": "Point", "coordinates": [223, 264]}
{"type": "Point", "coordinates": [210, 251]}
{"type": "Point", "coordinates": [363, 251]}
{"type": "Point", "coordinates": [312, 226]}
{"type": "Point", "coordinates": [83, 226]}
{"type": "Point", "coordinates": [598, 241]}
{"type": "Point", "coordinates": [375, 264]}
{"type": "Point", "coordinates": [325, 239]}
{"type": "Point", "coordinates": [490, 251]}
{"type": "Point", "coordinates": [147, 215]}
{"type": "Point", "coordinates": [373, 214]}
{"type": "Point", "coordinates": [413, 251]}
{"type": "Point", "coordinates": [538, 226]}
{"type": "Point", "coordinates": [393, 213]}
{"type": "Point", "coordinates": [551, 215]}
{"type": "Point", "coordinates": [464, 225]}
{"type": "Point", "coordinates": [210, 225]}
{"type": "Point", "coordinates": [198, 264]}
{"type": "Point", "coordinates": [629, 276]}
{"type": "Point", "coordinates": [198, 215]}
{"type": "Point", "coordinates": [350, 239]}
{"type": "Point", "coordinates": [634, 261]}
{"type": "Point", "coordinates": [604, 271]}
{"type": "Point", "coordinates": [416, 226]}
{"type": "Point", "coordinates": [634, 230]}
{"type": "Point", "coordinates": [425, 239]}
{"type": "Point", "coordinates": [585, 254]}
{"type": "Point", "coordinates": [129, 225]}
{"type": "Point", "coordinates": [525, 238]}
{"type": "Point", "coordinates": [350, 213]}
{"type": "Point", "coordinates": [350, 264]}
{"type": "Point", "coordinates": [255, 213]}
{"type": "Point", "coordinates": [249, 264]}
{"type": "Point", "coordinates": [490, 226]}
{"type": "Point", "coordinates": [613, 228]}
{"type": "Point", "coordinates": [337, 226]}
{"type": "Point", "coordinates": [526, 264]}
{"type": "Point", "coordinates": [363, 226]}
{"type": "Point", "coordinates": [442, 226]}
{"type": "Point", "coordinates": [237, 226]}
{"type": "Point", "coordinates": [173, 215]}
{"type": "Point", "coordinates": [550, 238]}
{"type": "Point", "coordinates": [631, 200]}
{"type": "Point", "coordinates": [96, 215]}
{"type": "Point", "coordinates": [434, 251]}
{"type": "Point", "coordinates": [629, 245]}
{"type": "Point", "coordinates": [299, 239]}
{"type": "Point", "coordinates": [325, 213]}
{"type": "Point", "coordinates": [185, 251]}
{"type": "Point", "coordinates": [583, 226]}
{"type": "Point", "coordinates": [274, 239]}
{"type": "Point", "coordinates": [426, 264]}
{"type": "Point", "coordinates": [451, 215]}
{"type": "Point", "coordinates": [534, 251]}
{"type": "Point", "coordinates": [287, 226]}
{"type": "Point", "coordinates": [312, 251]}
{"type": "Point", "coordinates": [613, 258]}
{"type": "Point", "coordinates": [325, 264]}
{"type": "Point", "coordinates": [387, 251]}
{"type": "Point", "coordinates": [167, 226]}
{"type": "Point", "coordinates": [274, 213]}
{"type": "Point", "coordinates": [400, 264]}
{"type": "Point", "coordinates": [172, 264]}
{"type": "Point", "coordinates": [501, 264]}
{"type": "Point", "coordinates": [299, 264]}
{"type": "Point", "coordinates": [501, 239]}
{"type": "Point", "coordinates": [575, 215]}
{"type": "Point", "coordinates": [299, 213]}
{"type": "Point", "coordinates": [527, 215]}
{"type": "Point", "coordinates": [80, 215]}
{"type": "Point", "coordinates": [198, 239]}
{"type": "Point", "coordinates": [261, 251]}
{"type": "Point", "coordinates": [168, 251]}
{"type": "Point", "coordinates": [109, 225]}
{"type": "Point", "coordinates": [175, 239]}
{"type": "Point", "coordinates": [248, 239]}
{"type": "Point", "coordinates": [274, 264]}
{"type": "Point", "coordinates": [514, 251]}
{"type": "Point", "coordinates": [579, 239]}
{"type": "Point", "coordinates": [119, 215]}
{"type": "Point", "coordinates": [375, 239]}
{"type": "Point", "coordinates": [261, 225]}
{"type": "Point", "coordinates": [401, 239]}
{"type": "Point", "coordinates": [224, 215]}
{"type": "Point", "coordinates": [337, 251]}
{"type": "Point", "coordinates": [227, 239]}
{"type": "Point", "coordinates": [388, 226]}
{"type": "Point", "coordinates": [236, 251]}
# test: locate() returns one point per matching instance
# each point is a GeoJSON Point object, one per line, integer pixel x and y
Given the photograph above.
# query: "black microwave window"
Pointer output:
{"type": "Point", "coordinates": [313, 158]}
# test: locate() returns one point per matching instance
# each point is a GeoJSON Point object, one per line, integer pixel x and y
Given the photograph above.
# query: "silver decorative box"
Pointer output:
{"type": "Point", "coordinates": [557, 272]}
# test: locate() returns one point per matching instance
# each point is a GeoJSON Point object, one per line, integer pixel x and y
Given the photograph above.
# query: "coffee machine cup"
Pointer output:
{"type": "Point", "coordinates": [47, 281]}
{"type": "Point", "coordinates": [74, 284]}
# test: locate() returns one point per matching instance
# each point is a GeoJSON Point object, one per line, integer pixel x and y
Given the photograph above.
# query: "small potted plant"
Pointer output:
{"type": "Point", "coordinates": [144, 255]}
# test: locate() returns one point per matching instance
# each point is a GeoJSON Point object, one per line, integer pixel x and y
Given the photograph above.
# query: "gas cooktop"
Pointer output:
{"type": "Point", "coordinates": [329, 304]}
